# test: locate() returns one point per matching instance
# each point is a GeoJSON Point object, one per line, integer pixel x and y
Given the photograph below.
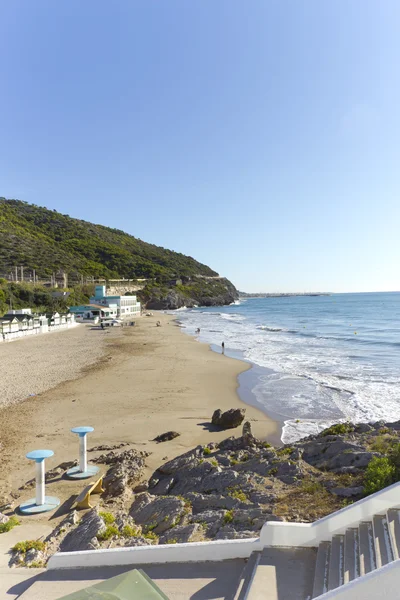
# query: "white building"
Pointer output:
{"type": "Point", "coordinates": [126, 306]}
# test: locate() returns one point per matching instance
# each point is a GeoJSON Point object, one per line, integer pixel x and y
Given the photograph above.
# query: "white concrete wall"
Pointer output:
{"type": "Point", "coordinates": [16, 335]}
{"type": "Point", "coordinates": [141, 555]}
{"type": "Point", "coordinates": [311, 534]}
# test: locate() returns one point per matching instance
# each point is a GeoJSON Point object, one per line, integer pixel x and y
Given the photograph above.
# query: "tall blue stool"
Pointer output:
{"type": "Point", "coordinates": [83, 470]}
{"type": "Point", "coordinates": [40, 503]}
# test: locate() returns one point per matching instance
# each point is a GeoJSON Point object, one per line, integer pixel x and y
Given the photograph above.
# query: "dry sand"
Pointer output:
{"type": "Point", "coordinates": [147, 381]}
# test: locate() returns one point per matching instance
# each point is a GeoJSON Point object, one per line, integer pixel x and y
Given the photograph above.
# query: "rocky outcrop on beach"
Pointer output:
{"type": "Point", "coordinates": [230, 419]}
{"type": "Point", "coordinates": [228, 490]}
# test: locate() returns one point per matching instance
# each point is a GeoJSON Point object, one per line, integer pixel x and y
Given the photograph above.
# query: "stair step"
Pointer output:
{"type": "Point", "coordinates": [336, 565]}
{"type": "Point", "coordinates": [322, 569]}
{"type": "Point", "coordinates": [383, 546]}
{"type": "Point", "coordinates": [367, 548]}
{"type": "Point", "coordinates": [351, 555]}
{"type": "Point", "coordinates": [246, 576]}
{"type": "Point", "coordinates": [393, 516]}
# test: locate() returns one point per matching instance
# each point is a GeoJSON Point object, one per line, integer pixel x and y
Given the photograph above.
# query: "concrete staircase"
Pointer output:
{"type": "Point", "coordinates": [277, 574]}
{"type": "Point", "coordinates": [357, 552]}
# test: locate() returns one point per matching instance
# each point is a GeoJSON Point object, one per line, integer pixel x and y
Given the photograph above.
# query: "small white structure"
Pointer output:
{"type": "Point", "coordinates": [126, 306]}
{"type": "Point", "coordinates": [20, 323]}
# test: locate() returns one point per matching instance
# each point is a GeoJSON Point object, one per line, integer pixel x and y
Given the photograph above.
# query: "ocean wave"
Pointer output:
{"type": "Point", "coordinates": [312, 379]}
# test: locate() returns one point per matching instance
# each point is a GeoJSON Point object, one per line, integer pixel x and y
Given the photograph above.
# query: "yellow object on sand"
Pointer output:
{"type": "Point", "coordinates": [95, 487]}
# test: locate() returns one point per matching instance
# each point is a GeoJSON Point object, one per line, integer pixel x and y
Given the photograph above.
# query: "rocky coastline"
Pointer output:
{"type": "Point", "coordinates": [224, 490]}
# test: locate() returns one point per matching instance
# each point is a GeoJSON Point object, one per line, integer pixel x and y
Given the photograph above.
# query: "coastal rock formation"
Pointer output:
{"type": "Point", "coordinates": [226, 490]}
{"type": "Point", "coordinates": [229, 419]}
{"type": "Point", "coordinates": [126, 469]}
{"type": "Point", "coordinates": [165, 437]}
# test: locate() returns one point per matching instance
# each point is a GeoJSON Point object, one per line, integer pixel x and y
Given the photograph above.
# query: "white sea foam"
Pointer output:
{"type": "Point", "coordinates": [311, 380]}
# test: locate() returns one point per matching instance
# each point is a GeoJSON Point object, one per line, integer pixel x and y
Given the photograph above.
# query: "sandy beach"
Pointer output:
{"type": "Point", "coordinates": [136, 383]}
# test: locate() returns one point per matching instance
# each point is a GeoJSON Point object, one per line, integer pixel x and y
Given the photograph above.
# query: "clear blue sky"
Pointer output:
{"type": "Point", "coordinates": [261, 137]}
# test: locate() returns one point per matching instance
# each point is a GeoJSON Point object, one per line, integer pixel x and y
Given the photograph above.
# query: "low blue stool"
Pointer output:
{"type": "Point", "coordinates": [41, 503]}
{"type": "Point", "coordinates": [83, 470]}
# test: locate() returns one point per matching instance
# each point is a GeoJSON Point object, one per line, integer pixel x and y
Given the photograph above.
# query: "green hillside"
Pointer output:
{"type": "Point", "coordinates": [47, 241]}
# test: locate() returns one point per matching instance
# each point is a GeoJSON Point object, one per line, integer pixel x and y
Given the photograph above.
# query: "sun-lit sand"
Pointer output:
{"type": "Point", "coordinates": [144, 380]}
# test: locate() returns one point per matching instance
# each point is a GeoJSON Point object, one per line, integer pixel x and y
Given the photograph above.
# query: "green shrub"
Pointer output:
{"type": "Point", "coordinates": [266, 445]}
{"type": "Point", "coordinates": [108, 532]}
{"type": "Point", "coordinates": [129, 531]}
{"type": "Point", "coordinates": [214, 462]}
{"type": "Point", "coordinates": [107, 517]}
{"type": "Point", "coordinates": [29, 545]}
{"type": "Point", "coordinates": [228, 517]}
{"type": "Point", "coordinates": [383, 444]}
{"type": "Point", "coordinates": [233, 461]}
{"type": "Point", "coordinates": [150, 535]}
{"type": "Point", "coordinates": [238, 494]}
{"type": "Point", "coordinates": [311, 487]}
{"type": "Point", "coordinates": [338, 429]}
{"type": "Point", "coordinates": [285, 451]}
{"type": "Point", "coordinates": [172, 541]}
{"type": "Point", "coordinates": [12, 522]}
{"type": "Point", "coordinates": [206, 451]}
{"type": "Point", "coordinates": [379, 474]}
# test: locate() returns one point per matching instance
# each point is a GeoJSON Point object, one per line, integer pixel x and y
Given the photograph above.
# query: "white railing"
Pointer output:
{"type": "Point", "coordinates": [272, 534]}
{"type": "Point", "coordinates": [311, 534]}
{"type": "Point", "coordinates": [383, 582]}
{"type": "Point", "coordinates": [165, 553]}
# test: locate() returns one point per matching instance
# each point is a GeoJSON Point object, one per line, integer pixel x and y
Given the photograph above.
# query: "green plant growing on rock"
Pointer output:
{"type": "Point", "coordinates": [233, 461]}
{"type": "Point", "coordinates": [150, 535]}
{"type": "Point", "coordinates": [266, 445]}
{"type": "Point", "coordinates": [107, 517]}
{"type": "Point", "coordinates": [36, 564]}
{"type": "Point", "coordinates": [29, 545]}
{"type": "Point", "coordinates": [173, 541]}
{"type": "Point", "coordinates": [228, 517]}
{"type": "Point", "coordinates": [285, 451]}
{"type": "Point", "coordinates": [206, 451]}
{"type": "Point", "coordinates": [129, 531]}
{"type": "Point", "coordinates": [108, 532]}
{"type": "Point", "coordinates": [379, 474]}
{"type": "Point", "coordinates": [214, 462]}
{"type": "Point", "coordinates": [238, 494]}
{"type": "Point", "coordinates": [338, 429]}
{"type": "Point", "coordinates": [11, 523]}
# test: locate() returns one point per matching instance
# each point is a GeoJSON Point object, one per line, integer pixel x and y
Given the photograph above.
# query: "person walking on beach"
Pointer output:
{"type": "Point", "coordinates": [223, 347]}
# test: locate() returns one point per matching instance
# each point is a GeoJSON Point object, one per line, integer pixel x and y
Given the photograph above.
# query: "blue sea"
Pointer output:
{"type": "Point", "coordinates": [317, 359]}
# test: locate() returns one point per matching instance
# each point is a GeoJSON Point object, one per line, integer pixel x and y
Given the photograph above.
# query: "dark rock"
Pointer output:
{"type": "Point", "coordinates": [219, 481]}
{"type": "Point", "coordinates": [206, 502]}
{"type": "Point", "coordinates": [141, 487]}
{"type": "Point", "coordinates": [165, 437]}
{"type": "Point", "coordinates": [347, 492]}
{"type": "Point", "coordinates": [211, 520]}
{"type": "Point", "coordinates": [157, 512]}
{"type": "Point", "coordinates": [180, 461]}
{"type": "Point", "coordinates": [127, 468]}
{"type": "Point", "coordinates": [229, 419]}
{"type": "Point", "coordinates": [107, 447]}
{"type": "Point", "coordinates": [333, 455]}
{"type": "Point", "coordinates": [183, 534]}
{"type": "Point", "coordinates": [363, 428]}
{"type": "Point", "coordinates": [84, 536]}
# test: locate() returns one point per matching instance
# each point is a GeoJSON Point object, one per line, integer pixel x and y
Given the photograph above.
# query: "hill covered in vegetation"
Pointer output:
{"type": "Point", "coordinates": [46, 240]}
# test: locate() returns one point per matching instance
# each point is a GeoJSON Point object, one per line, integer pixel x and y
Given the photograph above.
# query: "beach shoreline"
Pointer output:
{"type": "Point", "coordinates": [146, 380]}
